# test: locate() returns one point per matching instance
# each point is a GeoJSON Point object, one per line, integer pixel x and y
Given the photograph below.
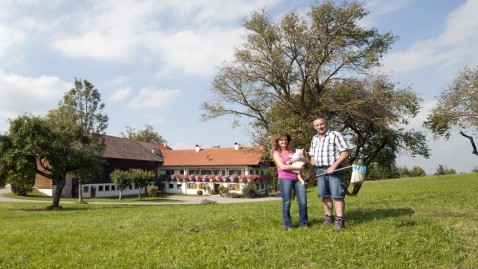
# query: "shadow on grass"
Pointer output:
{"type": "Point", "coordinates": [69, 207]}
{"type": "Point", "coordinates": [368, 214]}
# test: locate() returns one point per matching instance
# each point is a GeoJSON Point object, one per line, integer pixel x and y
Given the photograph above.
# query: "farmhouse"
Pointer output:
{"type": "Point", "coordinates": [181, 171]}
{"type": "Point", "coordinates": [120, 153]}
{"type": "Point", "coordinates": [187, 171]}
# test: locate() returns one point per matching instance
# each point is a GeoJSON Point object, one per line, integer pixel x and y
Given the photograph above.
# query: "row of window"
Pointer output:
{"type": "Point", "coordinates": [232, 172]}
{"type": "Point", "coordinates": [196, 186]}
{"type": "Point", "coordinates": [101, 188]}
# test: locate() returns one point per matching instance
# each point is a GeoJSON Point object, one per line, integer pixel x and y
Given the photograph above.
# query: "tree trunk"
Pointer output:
{"type": "Point", "coordinates": [121, 194]}
{"type": "Point", "coordinates": [58, 190]}
{"type": "Point", "coordinates": [80, 192]}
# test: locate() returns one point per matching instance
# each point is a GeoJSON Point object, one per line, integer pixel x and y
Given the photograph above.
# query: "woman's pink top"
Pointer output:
{"type": "Point", "coordinates": [284, 174]}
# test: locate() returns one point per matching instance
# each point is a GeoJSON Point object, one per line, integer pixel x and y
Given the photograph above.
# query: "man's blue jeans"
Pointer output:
{"type": "Point", "coordinates": [286, 187]}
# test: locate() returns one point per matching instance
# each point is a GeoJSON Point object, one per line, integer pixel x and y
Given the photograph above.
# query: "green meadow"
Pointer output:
{"type": "Point", "coordinates": [429, 222]}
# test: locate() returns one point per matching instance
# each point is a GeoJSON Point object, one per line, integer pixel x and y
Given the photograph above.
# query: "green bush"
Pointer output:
{"type": "Point", "coordinates": [222, 190]}
{"type": "Point", "coordinates": [153, 191]}
{"type": "Point", "coordinates": [249, 190]}
{"type": "Point", "coordinates": [208, 202]}
{"type": "Point", "coordinates": [233, 195]}
{"type": "Point", "coordinates": [21, 188]}
{"type": "Point", "coordinates": [200, 192]}
{"type": "Point", "coordinates": [161, 185]}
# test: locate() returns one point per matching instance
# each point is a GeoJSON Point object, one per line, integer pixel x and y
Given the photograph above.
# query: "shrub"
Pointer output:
{"type": "Point", "coordinates": [249, 190]}
{"type": "Point", "coordinates": [200, 192]}
{"type": "Point", "coordinates": [21, 188]}
{"type": "Point", "coordinates": [161, 185]}
{"type": "Point", "coordinates": [233, 195]}
{"type": "Point", "coordinates": [222, 190]}
{"type": "Point", "coordinates": [153, 191]}
{"type": "Point", "coordinates": [207, 202]}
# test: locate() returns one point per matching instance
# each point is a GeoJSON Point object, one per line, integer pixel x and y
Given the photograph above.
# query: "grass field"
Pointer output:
{"type": "Point", "coordinates": [429, 222]}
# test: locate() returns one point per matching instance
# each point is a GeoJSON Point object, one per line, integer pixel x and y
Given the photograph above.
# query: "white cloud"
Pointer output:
{"type": "Point", "coordinates": [195, 52]}
{"type": "Point", "coordinates": [9, 38]}
{"type": "Point", "coordinates": [380, 9]}
{"type": "Point", "coordinates": [121, 94]}
{"type": "Point", "coordinates": [417, 122]}
{"type": "Point", "coordinates": [152, 98]}
{"type": "Point", "coordinates": [186, 36]}
{"type": "Point", "coordinates": [455, 46]}
{"type": "Point", "coordinates": [20, 95]}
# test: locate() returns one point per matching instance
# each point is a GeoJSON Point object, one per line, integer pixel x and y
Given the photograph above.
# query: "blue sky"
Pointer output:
{"type": "Point", "coordinates": [153, 61]}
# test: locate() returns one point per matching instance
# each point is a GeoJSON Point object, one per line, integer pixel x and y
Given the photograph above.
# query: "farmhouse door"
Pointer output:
{"type": "Point", "coordinates": [93, 192]}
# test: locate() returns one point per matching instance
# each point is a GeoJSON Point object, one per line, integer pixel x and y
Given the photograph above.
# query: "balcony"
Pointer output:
{"type": "Point", "coordinates": [214, 178]}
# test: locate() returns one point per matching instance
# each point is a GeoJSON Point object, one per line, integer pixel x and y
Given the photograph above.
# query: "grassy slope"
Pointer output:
{"type": "Point", "coordinates": [427, 222]}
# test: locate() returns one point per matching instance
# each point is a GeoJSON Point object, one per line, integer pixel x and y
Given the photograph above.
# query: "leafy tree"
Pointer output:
{"type": "Point", "coordinates": [375, 171]}
{"type": "Point", "coordinates": [417, 171]}
{"type": "Point", "coordinates": [146, 135]}
{"type": "Point", "coordinates": [443, 170]}
{"type": "Point", "coordinates": [404, 171]}
{"type": "Point", "coordinates": [25, 143]}
{"type": "Point", "coordinates": [457, 106]}
{"type": "Point", "coordinates": [141, 179]}
{"type": "Point", "coordinates": [3, 181]}
{"type": "Point", "coordinates": [121, 179]}
{"type": "Point", "coordinates": [83, 104]}
{"type": "Point", "coordinates": [289, 71]}
{"type": "Point", "coordinates": [68, 141]}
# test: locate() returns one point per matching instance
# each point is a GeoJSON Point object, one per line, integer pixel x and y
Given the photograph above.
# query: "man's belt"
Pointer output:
{"type": "Point", "coordinates": [327, 166]}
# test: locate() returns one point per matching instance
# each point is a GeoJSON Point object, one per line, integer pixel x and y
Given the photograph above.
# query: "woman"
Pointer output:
{"type": "Point", "coordinates": [288, 180]}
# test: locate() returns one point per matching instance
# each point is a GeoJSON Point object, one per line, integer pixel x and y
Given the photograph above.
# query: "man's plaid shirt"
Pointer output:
{"type": "Point", "coordinates": [326, 150]}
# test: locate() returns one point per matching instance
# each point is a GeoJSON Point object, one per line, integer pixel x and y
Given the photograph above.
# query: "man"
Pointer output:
{"type": "Point", "coordinates": [328, 150]}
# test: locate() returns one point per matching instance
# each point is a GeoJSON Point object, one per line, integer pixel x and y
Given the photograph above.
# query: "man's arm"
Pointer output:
{"type": "Point", "coordinates": [343, 156]}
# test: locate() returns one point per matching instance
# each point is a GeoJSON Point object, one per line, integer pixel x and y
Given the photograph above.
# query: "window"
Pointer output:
{"type": "Point", "coordinates": [100, 188]}
{"type": "Point", "coordinates": [107, 188]}
{"type": "Point", "coordinates": [181, 172]}
{"type": "Point", "coordinates": [193, 172]}
{"type": "Point", "coordinates": [178, 186]}
{"type": "Point", "coordinates": [113, 188]}
{"type": "Point", "coordinates": [251, 172]}
{"type": "Point", "coordinates": [191, 185]}
{"type": "Point", "coordinates": [169, 172]}
{"type": "Point", "coordinates": [206, 172]}
{"type": "Point", "coordinates": [235, 172]}
{"type": "Point", "coordinates": [86, 189]}
{"type": "Point", "coordinates": [233, 187]}
{"type": "Point", "coordinates": [219, 172]}
{"type": "Point", "coordinates": [171, 185]}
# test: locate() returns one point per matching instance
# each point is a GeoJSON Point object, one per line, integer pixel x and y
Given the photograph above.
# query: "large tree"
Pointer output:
{"type": "Point", "coordinates": [146, 135]}
{"type": "Point", "coordinates": [68, 141]}
{"type": "Point", "coordinates": [457, 106]}
{"type": "Point", "coordinates": [20, 148]}
{"type": "Point", "coordinates": [287, 72]}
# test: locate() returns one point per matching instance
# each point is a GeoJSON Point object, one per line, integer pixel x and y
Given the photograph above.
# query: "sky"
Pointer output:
{"type": "Point", "coordinates": [154, 61]}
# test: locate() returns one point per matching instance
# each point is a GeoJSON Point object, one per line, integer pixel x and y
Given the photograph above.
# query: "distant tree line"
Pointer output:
{"type": "Point", "coordinates": [379, 172]}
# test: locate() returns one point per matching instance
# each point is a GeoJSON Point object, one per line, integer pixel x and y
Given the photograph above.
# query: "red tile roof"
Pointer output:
{"type": "Point", "coordinates": [213, 157]}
